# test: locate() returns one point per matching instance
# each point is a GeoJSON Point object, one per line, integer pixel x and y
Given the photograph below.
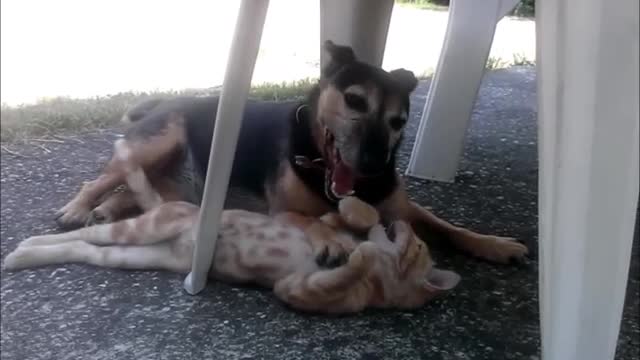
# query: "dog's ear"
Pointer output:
{"type": "Point", "coordinates": [339, 56]}
{"type": "Point", "coordinates": [405, 78]}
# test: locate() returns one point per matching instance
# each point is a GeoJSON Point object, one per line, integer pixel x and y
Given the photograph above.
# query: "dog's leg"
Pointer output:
{"type": "Point", "coordinates": [113, 208]}
{"type": "Point", "coordinates": [158, 256]}
{"type": "Point", "coordinates": [488, 247]}
{"type": "Point", "coordinates": [152, 152]}
{"type": "Point", "coordinates": [134, 199]}
{"type": "Point", "coordinates": [140, 193]}
{"type": "Point", "coordinates": [76, 212]}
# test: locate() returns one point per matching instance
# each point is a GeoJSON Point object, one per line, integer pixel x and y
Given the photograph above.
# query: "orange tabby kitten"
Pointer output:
{"type": "Point", "coordinates": [290, 253]}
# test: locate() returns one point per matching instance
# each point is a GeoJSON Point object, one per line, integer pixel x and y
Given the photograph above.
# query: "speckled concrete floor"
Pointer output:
{"type": "Point", "coordinates": [81, 312]}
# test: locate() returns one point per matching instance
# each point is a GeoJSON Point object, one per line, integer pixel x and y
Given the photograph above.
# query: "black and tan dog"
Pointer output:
{"type": "Point", "coordinates": [302, 156]}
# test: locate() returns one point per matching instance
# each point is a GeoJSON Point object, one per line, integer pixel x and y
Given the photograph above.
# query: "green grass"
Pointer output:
{"type": "Point", "coordinates": [62, 115]}
{"type": "Point", "coordinates": [525, 8]}
{"type": "Point", "coordinates": [521, 60]}
{"type": "Point", "coordinates": [423, 5]}
{"type": "Point", "coordinates": [495, 63]}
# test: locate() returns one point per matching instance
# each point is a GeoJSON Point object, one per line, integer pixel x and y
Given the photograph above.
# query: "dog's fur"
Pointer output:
{"type": "Point", "coordinates": [253, 248]}
{"type": "Point", "coordinates": [302, 157]}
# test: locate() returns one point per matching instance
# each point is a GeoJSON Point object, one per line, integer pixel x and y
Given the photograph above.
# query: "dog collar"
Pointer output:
{"type": "Point", "coordinates": [319, 164]}
{"type": "Point", "coordinates": [304, 162]}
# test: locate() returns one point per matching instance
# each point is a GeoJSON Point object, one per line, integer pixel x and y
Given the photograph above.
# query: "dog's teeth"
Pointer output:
{"type": "Point", "coordinates": [333, 190]}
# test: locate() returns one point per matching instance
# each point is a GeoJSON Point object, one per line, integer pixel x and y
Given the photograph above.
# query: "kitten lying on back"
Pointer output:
{"type": "Point", "coordinates": [288, 253]}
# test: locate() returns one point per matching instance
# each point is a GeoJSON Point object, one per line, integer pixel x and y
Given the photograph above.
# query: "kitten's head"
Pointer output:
{"type": "Point", "coordinates": [420, 280]}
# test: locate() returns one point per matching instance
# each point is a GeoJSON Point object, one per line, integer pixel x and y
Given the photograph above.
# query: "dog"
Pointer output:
{"type": "Point", "coordinates": [300, 156]}
{"type": "Point", "coordinates": [391, 270]}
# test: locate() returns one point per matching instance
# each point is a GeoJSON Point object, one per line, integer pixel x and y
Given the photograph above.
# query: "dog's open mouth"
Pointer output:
{"type": "Point", "coordinates": [340, 178]}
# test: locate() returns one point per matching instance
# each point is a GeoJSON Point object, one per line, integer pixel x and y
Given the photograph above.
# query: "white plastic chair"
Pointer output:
{"type": "Point", "coordinates": [588, 180]}
{"type": "Point", "coordinates": [588, 144]}
{"type": "Point", "coordinates": [233, 97]}
{"type": "Point", "coordinates": [467, 43]}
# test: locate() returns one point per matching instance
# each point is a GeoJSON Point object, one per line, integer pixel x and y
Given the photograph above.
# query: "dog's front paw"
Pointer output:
{"type": "Point", "coordinates": [97, 217]}
{"type": "Point", "coordinates": [499, 249]}
{"type": "Point", "coordinates": [72, 216]}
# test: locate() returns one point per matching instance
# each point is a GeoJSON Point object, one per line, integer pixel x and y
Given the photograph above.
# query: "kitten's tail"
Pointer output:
{"type": "Point", "coordinates": [139, 110]}
{"type": "Point", "coordinates": [146, 196]}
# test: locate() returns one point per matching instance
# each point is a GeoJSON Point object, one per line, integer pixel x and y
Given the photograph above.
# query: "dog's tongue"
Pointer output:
{"type": "Point", "coordinates": [343, 179]}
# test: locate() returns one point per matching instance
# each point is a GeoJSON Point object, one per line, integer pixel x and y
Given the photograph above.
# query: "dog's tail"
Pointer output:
{"type": "Point", "coordinates": [145, 195]}
{"type": "Point", "coordinates": [140, 110]}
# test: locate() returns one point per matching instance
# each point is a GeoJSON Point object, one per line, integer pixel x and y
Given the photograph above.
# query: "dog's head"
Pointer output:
{"type": "Point", "coordinates": [361, 112]}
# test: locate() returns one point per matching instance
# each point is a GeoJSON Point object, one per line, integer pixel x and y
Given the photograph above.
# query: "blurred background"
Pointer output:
{"type": "Point", "coordinates": [82, 49]}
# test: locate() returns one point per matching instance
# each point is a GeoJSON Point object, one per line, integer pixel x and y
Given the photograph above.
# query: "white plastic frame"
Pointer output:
{"type": "Point", "coordinates": [588, 182]}
{"type": "Point", "coordinates": [235, 90]}
{"type": "Point", "coordinates": [440, 139]}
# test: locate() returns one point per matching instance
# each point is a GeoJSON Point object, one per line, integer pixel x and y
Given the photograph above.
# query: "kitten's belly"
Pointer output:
{"type": "Point", "coordinates": [261, 256]}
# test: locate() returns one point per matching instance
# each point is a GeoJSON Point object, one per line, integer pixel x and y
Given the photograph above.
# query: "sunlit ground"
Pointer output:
{"type": "Point", "coordinates": [86, 48]}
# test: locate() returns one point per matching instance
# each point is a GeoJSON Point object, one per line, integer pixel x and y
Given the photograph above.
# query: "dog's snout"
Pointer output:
{"type": "Point", "coordinates": [374, 152]}
{"type": "Point", "coordinates": [367, 162]}
{"type": "Point", "coordinates": [372, 161]}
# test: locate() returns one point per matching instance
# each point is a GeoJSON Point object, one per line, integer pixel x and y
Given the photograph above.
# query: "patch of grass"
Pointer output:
{"type": "Point", "coordinates": [64, 115]}
{"type": "Point", "coordinates": [426, 74]}
{"type": "Point", "coordinates": [424, 4]}
{"type": "Point", "coordinates": [522, 60]}
{"type": "Point", "coordinates": [525, 9]}
{"type": "Point", "coordinates": [282, 91]}
{"type": "Point", "coordinates": [495, 63]}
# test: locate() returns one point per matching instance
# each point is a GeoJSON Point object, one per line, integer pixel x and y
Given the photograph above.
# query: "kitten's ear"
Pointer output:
{"type": "Point", "coordinates": [377, 235]}
{"type": "Point", "coordinates": [440, 281]}
{"type": "Point", "coordinates": [339, 56]}
{"type": "Point", "coordinates": [402, 237]}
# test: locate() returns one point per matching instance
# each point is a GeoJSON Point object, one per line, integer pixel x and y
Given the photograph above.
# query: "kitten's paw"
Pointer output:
{"type": "Point", "coordinates": [38, 240]}
{"type": "Point", "coordinates": [16, 260]}
{"type": "Point", "coordinates": [358, 214]}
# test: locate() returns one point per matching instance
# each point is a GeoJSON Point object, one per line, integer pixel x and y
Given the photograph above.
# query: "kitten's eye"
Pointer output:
{"type": "Point", "coordinates": [397, 123]}
{"type": "Point", "coordinates": [356, 102]}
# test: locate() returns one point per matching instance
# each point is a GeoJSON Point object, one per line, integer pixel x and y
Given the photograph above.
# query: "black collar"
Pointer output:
{"type": "Point", "coordinates": [303, 153]}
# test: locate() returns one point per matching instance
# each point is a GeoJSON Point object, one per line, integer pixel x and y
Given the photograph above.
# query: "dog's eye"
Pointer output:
{"type": "Point", "coordinates": [397, 123]}
{"type": "Point", "coordinates": [356, 102]}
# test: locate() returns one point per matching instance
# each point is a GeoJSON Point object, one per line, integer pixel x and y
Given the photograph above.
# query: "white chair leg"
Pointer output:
{"type": "Point", "coordinates": [588, 183]}
{"type": "Point", "coordinates": [440, 139]}
{"type": "Point", "coordinates": [235, 90]}
{"type": "Point", "coordinates": [361, 24]}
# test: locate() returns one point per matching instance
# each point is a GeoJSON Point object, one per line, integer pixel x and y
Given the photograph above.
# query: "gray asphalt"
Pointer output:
{"type": "Point", "coordinates": [81, 312]}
